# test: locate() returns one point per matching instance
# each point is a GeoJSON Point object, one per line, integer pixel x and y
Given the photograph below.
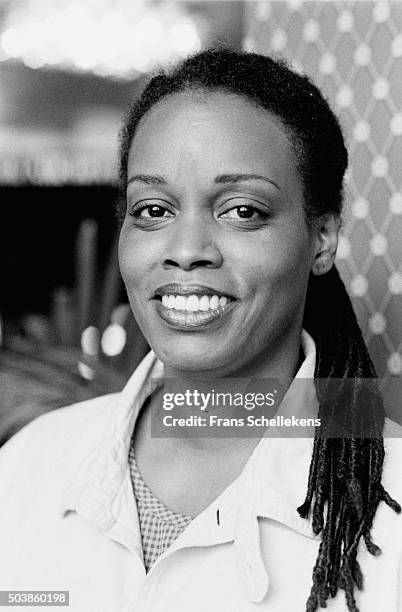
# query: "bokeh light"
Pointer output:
{"type": "Point", "coordinates": [90, 37]}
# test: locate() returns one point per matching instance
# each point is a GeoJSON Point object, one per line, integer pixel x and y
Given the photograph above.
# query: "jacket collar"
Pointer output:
{"type": "Point", "coordinates": [273, 483]}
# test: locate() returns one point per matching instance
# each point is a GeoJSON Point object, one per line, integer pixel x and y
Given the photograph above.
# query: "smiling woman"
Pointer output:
{"type": "Point", "coordinates": [231, 177]}
{"type": "Point", "coordinates": [217, 212]}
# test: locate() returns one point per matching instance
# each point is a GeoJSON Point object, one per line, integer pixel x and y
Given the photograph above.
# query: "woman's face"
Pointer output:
{"type": "Point", "coordinates": [214, 250]}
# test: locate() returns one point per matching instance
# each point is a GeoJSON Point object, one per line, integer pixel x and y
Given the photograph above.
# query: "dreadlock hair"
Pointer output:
{"type": "Point", "coordinates": [344, 483]}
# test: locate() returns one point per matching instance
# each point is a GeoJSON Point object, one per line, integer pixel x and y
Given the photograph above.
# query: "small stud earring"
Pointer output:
{"type": "Point", "coordinates": [320, 267]}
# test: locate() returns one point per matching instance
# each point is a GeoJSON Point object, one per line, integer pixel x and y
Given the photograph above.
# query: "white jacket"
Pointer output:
{"type": "Point", "coordinates": [68, 520]}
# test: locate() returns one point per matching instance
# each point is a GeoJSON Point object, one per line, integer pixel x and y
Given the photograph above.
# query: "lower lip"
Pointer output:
{"type": "Point", "coordinates": [190, 321]}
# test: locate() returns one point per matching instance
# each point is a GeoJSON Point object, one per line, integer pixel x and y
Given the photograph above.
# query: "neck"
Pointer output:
{"type": "Point", "coordinates": [279, 363]}
{"type": "Point", "coordinates": [279, 360]}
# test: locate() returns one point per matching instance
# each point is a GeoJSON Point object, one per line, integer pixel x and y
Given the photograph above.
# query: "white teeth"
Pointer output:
{"type": "Point", "coordinates": [192, 303]}
{"type": "Point", "coordinates": [203, 304]}
{"type": "Point", "coordinates": [214, 302]}
{"type": "Point", "coordinates": [180, 303]}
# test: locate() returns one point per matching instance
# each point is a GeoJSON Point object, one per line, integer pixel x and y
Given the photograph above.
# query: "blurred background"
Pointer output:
{"type": "Point", "coordinates": [68, 71]}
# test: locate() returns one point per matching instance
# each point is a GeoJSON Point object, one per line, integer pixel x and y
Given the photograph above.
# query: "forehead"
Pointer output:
{"type": "Point", "coordinates": [222, 130]}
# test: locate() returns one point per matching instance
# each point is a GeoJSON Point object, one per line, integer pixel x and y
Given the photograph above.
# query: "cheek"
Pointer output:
{"type": "Point", "coordinates": [132, 258]}
{"type": "Point", "coordinates": [126, 268]}
{"type": "Point", "coordinates": [132, 271]}
{"type": "Point", "coordinates": [275, 260]}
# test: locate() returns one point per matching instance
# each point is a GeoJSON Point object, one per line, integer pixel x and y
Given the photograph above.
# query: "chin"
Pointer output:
{"type": "Point", "coordinates": [190, 361]}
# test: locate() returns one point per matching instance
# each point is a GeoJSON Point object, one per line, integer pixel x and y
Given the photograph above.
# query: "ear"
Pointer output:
{"type": "Point", "coordinates": [326, 242]}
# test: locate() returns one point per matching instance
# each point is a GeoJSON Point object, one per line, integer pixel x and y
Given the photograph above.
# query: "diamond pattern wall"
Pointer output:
{"type": "Point", "coordinates": [353, 52]}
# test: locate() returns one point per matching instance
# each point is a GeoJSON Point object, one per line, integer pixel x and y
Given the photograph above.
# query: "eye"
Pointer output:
{"type": "Point", "coordinates": [245, 210]}
{"type": "Point", "coordinates": [150, 210]}
{"type": "Point", "coordinates": [242, 212]}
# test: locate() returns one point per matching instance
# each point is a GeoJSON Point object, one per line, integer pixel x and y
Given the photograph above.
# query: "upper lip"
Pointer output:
{"type": "Point", "coordinates": [178, 289]}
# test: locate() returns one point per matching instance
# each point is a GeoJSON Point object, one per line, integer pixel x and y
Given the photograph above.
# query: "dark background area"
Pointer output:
{"type": "Point", "coordinates": [39, 226]}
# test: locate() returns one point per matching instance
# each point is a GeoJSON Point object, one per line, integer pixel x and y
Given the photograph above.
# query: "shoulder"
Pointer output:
{"type": "Point", "coordinates": [392, 429]}
{"type": "Point", "coordinates": [50, 438]}
{"type": "Point", "coordinates": [392, 470]}
{"type": "Point", "coordinates": [62, 424]}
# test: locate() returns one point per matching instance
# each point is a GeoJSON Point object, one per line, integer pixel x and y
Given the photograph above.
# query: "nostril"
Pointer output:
{"type": "Point", "coordinates": [170, 262]}
{"type": "Point", "coordinates": [189, 254]}
{"type": "Point", "coordinates": [201, 262]}
{"type": "Point", "coordinates": [187, 265]}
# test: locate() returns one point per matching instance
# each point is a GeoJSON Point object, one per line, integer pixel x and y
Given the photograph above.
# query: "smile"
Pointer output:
{"type": "Point", "coordinates": [193, 303]}
{"type": "Point", "coordinates": [185, 310]}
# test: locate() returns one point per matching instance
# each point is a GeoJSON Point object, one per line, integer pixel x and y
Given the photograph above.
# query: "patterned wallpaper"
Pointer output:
{"type": "Point", "coordinates": [353, 52]}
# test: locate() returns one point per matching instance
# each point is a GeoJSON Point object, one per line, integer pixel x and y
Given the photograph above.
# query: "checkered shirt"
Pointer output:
{"type": "Point", "coordinates": [159, 526]}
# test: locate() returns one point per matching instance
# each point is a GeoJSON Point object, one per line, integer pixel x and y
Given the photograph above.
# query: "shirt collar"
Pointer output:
{"type": "Point", "coordinates": [274, 479]}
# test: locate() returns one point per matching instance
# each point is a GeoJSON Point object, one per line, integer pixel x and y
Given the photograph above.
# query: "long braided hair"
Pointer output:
{"type": "Point", "coordinates": [345, 473]}
{"type": "Point", "coordinates": [344, 483]}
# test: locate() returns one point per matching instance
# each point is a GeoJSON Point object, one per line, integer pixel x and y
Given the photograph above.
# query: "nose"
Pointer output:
{"type": "Point", "coordinates": [191, 245]}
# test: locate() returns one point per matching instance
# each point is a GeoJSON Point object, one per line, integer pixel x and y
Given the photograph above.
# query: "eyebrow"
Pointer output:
{"type": "Point", "coordinates": [221, 179]}
{"type": "Point", "coordinates": [147, 179]}
{"type": "Point", "coordinates": [241, 178]}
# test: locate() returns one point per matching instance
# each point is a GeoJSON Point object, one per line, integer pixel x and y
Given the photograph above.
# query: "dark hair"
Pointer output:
{"type": "Point", "coordinates": [345, 473]}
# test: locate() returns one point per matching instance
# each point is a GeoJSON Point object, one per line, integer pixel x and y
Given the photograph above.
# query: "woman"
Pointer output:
{"type": "Point", "coordinates": [231, 169]}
